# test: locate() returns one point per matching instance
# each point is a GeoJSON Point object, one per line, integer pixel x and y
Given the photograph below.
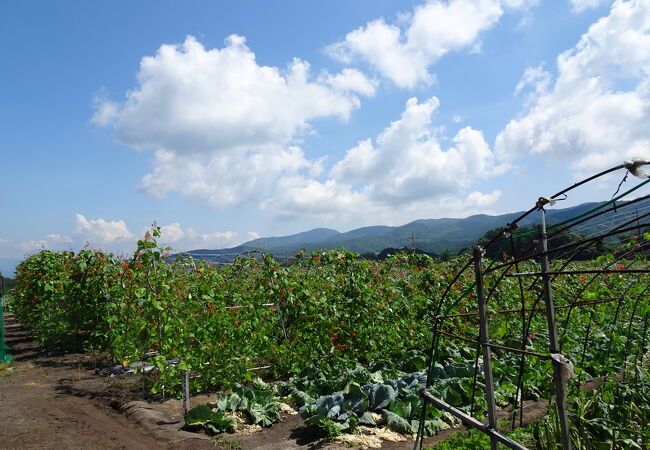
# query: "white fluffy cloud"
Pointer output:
{"type": "Point", "coordinates": [597, 110]}
{"type": "Point", "coordinates": [100, 231]}
{"type": "Point", "coordinates": [224, 130]}
{"type": "Point", "coordinates": [581, 5]}
{"type": "Point", "coordinates": [332, 201]}
{"type": "Point", "coordinates": [404, 54]}
{"type": "Point", "coordinates": [408, 162]}
{"type": "Point", "coordinates": [535, 77]}
{"type": "Point", "coordinates": [350, 80]}
{"type": "Point", "coordinates": [405, 169]}
{"type": "Point", "coordinates": [192, 99]}
{"type": "Point", "coordinates": [252, 235]}
{"type": "Point", "coordinates": [181, 239]}
{"type": "Point", "coordinates": [114, 236]}
{"type": "Point", "coordinates": [223, 180]}
{"type": "Point", "coordinates": [51, 242]}
{"type": "Point", "coordinates": [222, 125]}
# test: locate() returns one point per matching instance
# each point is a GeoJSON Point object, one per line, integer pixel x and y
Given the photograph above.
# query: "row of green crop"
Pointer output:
{"type": "Point", "coordinates": [327, 309]}
{"type": "Point", "coordinates": [615, 415]}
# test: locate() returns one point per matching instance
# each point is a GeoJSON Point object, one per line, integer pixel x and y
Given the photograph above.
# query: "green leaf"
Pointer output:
{"type": "Point", "coordinates": [404, 409]}
{"type": "Point", "coordinates": [219, 422]}
{"type": "Point", "coordinates": [229, 402]}
{"type": "Point", "coordinates": [243, 404]}
{"type": "Point", "coordinates": [328, 427]}
{"type": "Point", "coordinates": [367, 419]}
{"type": "Point", "coordinates": [380, 396]}
{"type": "Point", "coordinates": [328, 406]}
{"type": "Point", "coordinates": [264, 415]}
{"type": "Point", "coordinates": [212, 421]}
{"type": "Point", "coordinates": [156, 387]}
{"type": "Point", "coordinates": [301, 398]}
{"type": "Point", "coordinates": [198, 415]}
{"type": "Point", "coordinates": [222, 403]}
{"type": "Point", "coordinates": [234, 402]}
{"type": "Point", "coordinates": [355, 402]}
{"type": "Point", "coordinates": [431, 426]}
{"type": "Point", "coordinates": [396, 423]}
{"type": "Point", "coordinates": [259, 384]}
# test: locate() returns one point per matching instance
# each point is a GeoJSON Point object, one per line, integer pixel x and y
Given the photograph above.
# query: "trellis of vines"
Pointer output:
{"type": "Point", "coordinates": [549, 302]}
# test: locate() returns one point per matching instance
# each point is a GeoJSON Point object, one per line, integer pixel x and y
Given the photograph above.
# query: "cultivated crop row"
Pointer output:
{"type": "Point", "coordinates": [331, 326]}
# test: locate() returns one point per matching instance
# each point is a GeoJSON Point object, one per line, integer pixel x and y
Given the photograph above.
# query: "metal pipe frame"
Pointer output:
{"type": "Point", "coordinates": [470, 421]}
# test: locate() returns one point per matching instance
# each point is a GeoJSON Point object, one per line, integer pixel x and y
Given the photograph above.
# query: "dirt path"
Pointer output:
{"type": "Point", "coordinates": [60, 402]}
{"type": "Point", "coordinates": [55, 402]}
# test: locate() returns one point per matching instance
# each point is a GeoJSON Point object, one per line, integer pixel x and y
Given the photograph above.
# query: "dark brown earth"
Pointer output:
{"type": "Point", "coordinates": [59, 402]}
{"type": "Point", "coordinates": [63, 402]}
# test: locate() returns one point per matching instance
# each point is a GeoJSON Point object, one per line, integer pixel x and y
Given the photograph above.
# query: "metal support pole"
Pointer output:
{"type": "Point", "coordinates": [560, 383]}
{"type": "Point", "coordinates": [186, 390]}
{"type": "Point", "coordinates": [484, 338]}
{"type": "Point", "coordinates": [469, 420]}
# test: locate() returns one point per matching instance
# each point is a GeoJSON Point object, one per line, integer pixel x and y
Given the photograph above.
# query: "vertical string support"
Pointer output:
{"type": "Point", "coordinates": [484, 340]}
{"type": "Point", "coordinates": [186, 390]}
{"type": "Point", "coordinates": [558, 379]}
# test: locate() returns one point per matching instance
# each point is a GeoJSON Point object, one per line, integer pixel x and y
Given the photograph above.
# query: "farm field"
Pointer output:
{"type": "Point", "coordinates": [413, 225]}
{"type": "Point", "coordinates": [344, 341]}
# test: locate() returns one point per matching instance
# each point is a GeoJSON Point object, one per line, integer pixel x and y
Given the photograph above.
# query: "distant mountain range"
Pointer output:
{"type": "Point", "coordinates": [430, 235]}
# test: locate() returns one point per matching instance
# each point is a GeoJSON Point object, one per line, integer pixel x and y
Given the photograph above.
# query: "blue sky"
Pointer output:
{"type": "Point", "coordinates": [225, 121]}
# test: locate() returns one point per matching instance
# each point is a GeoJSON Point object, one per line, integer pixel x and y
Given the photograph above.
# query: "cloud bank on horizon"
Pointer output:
{"type": "Point", "coordinates": [115, 236]}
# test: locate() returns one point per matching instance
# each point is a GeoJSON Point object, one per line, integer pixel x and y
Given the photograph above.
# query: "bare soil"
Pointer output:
{"type": "Point", "coordinates": [56, 401]}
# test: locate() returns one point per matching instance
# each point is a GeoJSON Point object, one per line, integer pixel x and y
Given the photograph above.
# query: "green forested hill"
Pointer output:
{"type": "Point", "coordinates": [431, 235]}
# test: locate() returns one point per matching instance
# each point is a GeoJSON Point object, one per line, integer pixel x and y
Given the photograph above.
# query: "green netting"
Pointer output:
{"type": "Point", "coordinates": [4, 355]}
